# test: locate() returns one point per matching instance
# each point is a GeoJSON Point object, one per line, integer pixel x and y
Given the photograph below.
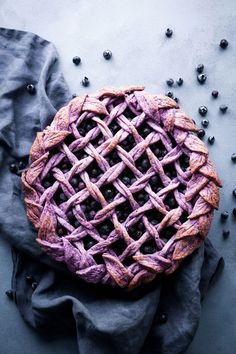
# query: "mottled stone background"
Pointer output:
{"type": "Point", "coordinates": [135, 32]}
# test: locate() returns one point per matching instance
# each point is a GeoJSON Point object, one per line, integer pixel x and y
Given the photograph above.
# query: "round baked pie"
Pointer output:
{"type": "Point", "coordinates": [119, 187]}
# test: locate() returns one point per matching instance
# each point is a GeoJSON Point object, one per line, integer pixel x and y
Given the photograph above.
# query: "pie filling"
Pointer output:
{"type": "Point", "coordinates": [128, 197]}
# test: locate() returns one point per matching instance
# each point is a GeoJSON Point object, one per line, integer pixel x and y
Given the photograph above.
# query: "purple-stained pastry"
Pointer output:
{"type": "Point", "coordinates": [119, 187]}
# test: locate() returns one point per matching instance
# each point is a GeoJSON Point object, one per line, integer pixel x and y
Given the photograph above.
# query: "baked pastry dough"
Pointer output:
{"type": "Point", "coordinates": [119, 187]}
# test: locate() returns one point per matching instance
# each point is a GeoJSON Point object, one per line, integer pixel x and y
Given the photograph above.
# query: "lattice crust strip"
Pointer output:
{"type": "Point", "coordinates": [120, 188]}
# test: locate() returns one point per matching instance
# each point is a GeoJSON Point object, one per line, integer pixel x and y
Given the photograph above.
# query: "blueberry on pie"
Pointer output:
{"type": "Point", "coordinates": [120, 188]}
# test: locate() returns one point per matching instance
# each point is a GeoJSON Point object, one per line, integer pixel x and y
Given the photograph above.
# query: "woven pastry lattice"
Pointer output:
{"type": "Point", "coordinates": [120, 188]}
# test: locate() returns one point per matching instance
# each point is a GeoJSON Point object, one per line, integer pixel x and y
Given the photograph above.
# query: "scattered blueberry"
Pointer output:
{"type": "Point", "coordinates": [34, 285]}
{"type": "Point", "coordinates": [215, 93]}
{"type": "Point", "coordinates": [21, 165]}
{"type": "Point", "coordinates": [176, 99]}
{"type": "Point", "coordinates": [170, 82]}
{"type": "Point", "coordinates": [180, 81]}
{"type": "Point", "coordinates": [233, 157]}
{"type": "Point", "coordinates": [226, 233]}
{"type": "Point", "coordinates": [85, 82]}
{"type": "Point", "coordinates": [201, 133]}
{"type": "Point", "coordinates": [205, 122]}
{"type": "Point", "coordinates": [224, 43]}
{"type": "Point", "coordinates": [76, 60]}
{"type": "Point", "coordinates": [31, 89]}
{"type": "Point", "coordinates": [163, 318]}
{"type": "Point", "coordinates": [13, 168]}
{"type": "Point", "coordinates": [202, 110]}
{"type": "Point", "coordinates": [234, 192]}
{"type": "Point", "coordinates": [223, 108]}
{"type": "Point", "coordinates": [74, 95]}
{"type": "Point", "coordinates": [201, 78]}
{"type": "Point", "coordinates": [234, 211]}
{"type": "Point", "coordinates": [169, 32]}
{"type": "Point", "coordinates": [9, 294]}
{"type": "Point", "coordinates": [29, 278]}
{"type": "Point", "coordinates": [170, 94]}
{"type": "Point", "coordinates": [224, 215]}
{"type": "Point", "coordinates": [200, 68]}
{"type": "Point", "coordinates": [107, 54]}
{"type": "Point", "coordinates": [211, 139]}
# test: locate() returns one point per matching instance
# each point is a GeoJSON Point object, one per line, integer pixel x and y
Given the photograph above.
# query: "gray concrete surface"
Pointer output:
{"type": "Point", "coordinates": [134, 31]}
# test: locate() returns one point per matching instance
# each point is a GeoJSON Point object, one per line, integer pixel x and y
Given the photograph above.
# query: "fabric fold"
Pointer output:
{"type": "Point", "coordinates": [102, 319]}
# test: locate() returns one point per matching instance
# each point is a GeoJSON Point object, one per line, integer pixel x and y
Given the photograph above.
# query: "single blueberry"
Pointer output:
{"type": "Point", "coordinates": [146, 131]}
{"type": "Point", "coordinates": [170, 82]}
{"type": "Point", "coordinates": [215, 93]}
{"type": "Point", "coordinates": [169, 32]}
{"type": "Point", "coordinates": [126, 180]}
{"type": "Point", "coordinates": [34, 285]}
{"type": "Point", "coordinates": [70, 214]}
{"type": "Point", "coordinates": [21, 165]}
{"type": "Point", "coordinates": [10, 294]}
{"type": "Point", "coordinates": [176, 99]}
{"type": "Point", "coordinates": [201, 78]}
{"type": "Point", "coordinates": [29, 278]}
{"type": "Point", "coordinates": [163, 318]}
{"type": "Point", "coordinates": [74, 182]}
{"type": "Point", "coordinates": [226, 233]}
{"type": "Point", "coordinates": [31, 89]}
{"type": "Point", "coordinates": [60, 232]}
{"type": "Point", "coordinates": [224, 215]}
{"type": "Point", "coordinates": [233, 157]}
{"type": "Point", "coordinates": [205, 123]}
{"type": "Point", "coordinates": [13, 168]}
{"type": "Point", "coordinates": [180, 81]}
{"type": "Point", "coordinates": [201, 133]}
{"type": "Point", "coordinates": [170, 94]}
{"type": "Point", "coordinates": [224, 43]}
{"type": "Point", "coordinates": [146, 249]}
{"type": "Point", "coordinates": [46, 184]}
{"type": "Point", "coordinates": [145, 164]}
{"type": "Point", "coordinates": [76, 224]}
{"type": "Point", "coordinates": [223, 108]}
{"type": "Point", "coordinates": [63, 197]}
{"type": "Point", "coordinates": [105, 229]}
{"type": "Point", "coordinates": [211, 139]}
{"type": "Point", "coordinates": [76, 60]}
{"type": "Point", "coordinates": [108, 193]}
{"type": "Point", "coordinates": [107, 54]}
{"type": "Point", "coordinates": [200, 68]}
{"type": "Point", "coordinates": [85, 82]}
{"type": "Point", "coordinates": [89, 244]}
{"type": "Point", "coordinates": [202, 110]}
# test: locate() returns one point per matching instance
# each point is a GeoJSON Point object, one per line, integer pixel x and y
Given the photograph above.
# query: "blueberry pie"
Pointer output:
{"type": "Point", "coordinates": [120, 188]}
